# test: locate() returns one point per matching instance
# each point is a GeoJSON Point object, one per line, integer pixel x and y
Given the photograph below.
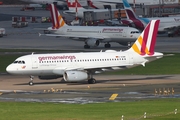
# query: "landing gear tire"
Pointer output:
{"type": "Point", "coordinates": [31, 83]}
{"type": "Point", "coordinates": [130, 44]}
{"type": "Point", "coordinates": [170, 35]}
{"type": "Point", "coordinates": [92, 81]}
{"type": "Point", "coordinates": [107, 45]}
{"type": "Point", "coordinates": [86, 46]}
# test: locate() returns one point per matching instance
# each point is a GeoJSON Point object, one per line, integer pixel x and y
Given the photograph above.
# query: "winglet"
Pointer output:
{"type": "Point", "coordinates": [57, 19]}
{"type": "Point", "coordinates": [145, 43]}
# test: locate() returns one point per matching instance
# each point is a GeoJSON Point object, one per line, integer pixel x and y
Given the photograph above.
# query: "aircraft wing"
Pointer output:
{"type": "Point", "coordinates": [69, 12]}
{"type": "Point", "coordinates": [168, 27]}
{"type": "Point", "coordinates": [96, 69]}
{"type": "Point", "coordinates": [75, 36]}
{"type": "Point", "coordinates": [112, 67]}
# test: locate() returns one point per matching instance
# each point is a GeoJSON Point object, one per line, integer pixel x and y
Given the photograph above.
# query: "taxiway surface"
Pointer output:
{"type": "Point", "coordinates": [128, 88]}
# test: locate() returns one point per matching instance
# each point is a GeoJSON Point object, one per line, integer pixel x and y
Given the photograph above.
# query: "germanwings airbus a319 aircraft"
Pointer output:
{"type": "Point", "coordinates": [74, 67]}
{"type": "Point", "coordinates": [91, 35]}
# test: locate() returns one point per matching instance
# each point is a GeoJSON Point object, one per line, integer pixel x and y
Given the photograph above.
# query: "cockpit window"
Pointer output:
{"type": "Point", "coordinates": [15, 62]}
{"type": "Point", "coordinates": [19, 62]}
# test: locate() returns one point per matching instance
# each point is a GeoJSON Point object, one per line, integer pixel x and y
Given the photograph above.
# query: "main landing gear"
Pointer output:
{"type": "Point", "coordinates": [92, 81]}
{"type": "Point", "coordinates": [130, 44]}
{"type": "Point", "coordinates": [86, 46]}
{"type": "Point", "coordinates": [107, 45]}
{"type": "Point", "coordinates": [31, 80]}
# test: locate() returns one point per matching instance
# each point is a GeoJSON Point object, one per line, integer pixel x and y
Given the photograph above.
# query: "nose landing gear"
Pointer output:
{"type": "Point", "coordinates": [31, 80]}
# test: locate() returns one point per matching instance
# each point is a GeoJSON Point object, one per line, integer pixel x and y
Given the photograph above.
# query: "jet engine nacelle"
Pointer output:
{"type": "Point", "coordinates": [74, 76]}
{"type": "Point", "coordinates": [93, 42]}
{"type": "Point", "coordinates": [49, 77]}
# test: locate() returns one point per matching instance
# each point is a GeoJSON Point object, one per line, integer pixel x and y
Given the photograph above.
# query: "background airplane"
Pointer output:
{"type": "Point", "coordinates": [75, 67]}
{"type": "Point", "coordinates": [138, 22]}
{"type": "Point", "coordinates": [91, 35]}
{"type": "Point", "coordinates": [60, 3]}
{"type": "Point", "coordinates": [109, 4]}
{"type": "Point", "coordinates": [133, 3]}
{"type": "Point", "coordinates": [77, 9]}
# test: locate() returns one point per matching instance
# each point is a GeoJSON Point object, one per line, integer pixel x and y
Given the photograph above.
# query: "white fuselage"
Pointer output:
{"type": "Point", "coordinates": [105, 34]}
{"type": "Point", "coordinates": [167, 22]}
{"type": "Point", "coordinates": [56, 64]}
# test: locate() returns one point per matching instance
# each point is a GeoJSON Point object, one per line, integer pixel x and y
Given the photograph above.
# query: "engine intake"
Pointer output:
{"type": "Point", "coordinates": [93, 42]}
{"type": "Point", "coordinates": [75, 76]}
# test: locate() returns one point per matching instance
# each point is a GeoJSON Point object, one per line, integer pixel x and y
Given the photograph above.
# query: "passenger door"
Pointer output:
{"type": "Point", "coordinates": [34, 62]}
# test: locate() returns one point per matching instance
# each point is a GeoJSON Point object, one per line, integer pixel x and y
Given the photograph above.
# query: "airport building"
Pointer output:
{"type": "Point", "coordinates": [162, 10]}
{"type": "Point", "coordinates": [158, 8]}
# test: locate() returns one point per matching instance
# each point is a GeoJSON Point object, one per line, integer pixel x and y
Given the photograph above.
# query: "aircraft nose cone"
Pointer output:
{"type": "Point", "coordinates": [9, 69]}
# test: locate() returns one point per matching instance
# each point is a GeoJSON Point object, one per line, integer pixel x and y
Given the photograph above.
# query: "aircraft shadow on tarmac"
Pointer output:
{"type": "Point", "coordinates": [115, 81]}
{"type": "Point", "coordinates": [120, 80]}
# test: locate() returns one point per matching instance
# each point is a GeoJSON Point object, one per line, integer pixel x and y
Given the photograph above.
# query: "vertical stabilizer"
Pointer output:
{"type": "Point", "coordinates": [90, 4]}
{"type": "Point", "coordinates": [145, 43]}
{"type": "Point", "coordinates": [129, 11]}
{"type": "Point", "coordinates": [57, 19]}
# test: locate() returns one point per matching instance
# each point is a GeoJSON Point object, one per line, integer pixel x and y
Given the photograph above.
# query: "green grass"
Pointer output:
{"type": "Point", "coordinates": [155, 109]}
{"type": "Point", "coordinates": [36, 50]}
{"type": "Point", "coordinates": [5, 60]}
